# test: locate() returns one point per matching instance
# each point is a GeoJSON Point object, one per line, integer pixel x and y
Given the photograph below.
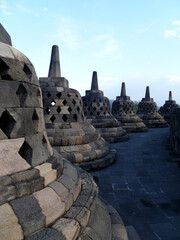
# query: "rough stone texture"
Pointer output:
{"type": "Point", "coordinates": [68, 130]}
{"type": "Point", "coordinates": [167, 108]}
{"type": "Point", "coordinates": [38, 188]}
{"type": "Point", "coordinates": [147, 110]}
{"type": "Point", "coordinates": [9, 226]}
{"type": "Point", "coordinates": [97, 111]}
{"type": "Point", "coordinates": [4, 36]}
{"type": "Point", "coordinates": [123, 109]}
{"type": "Point", "coordinates": [174, 133]}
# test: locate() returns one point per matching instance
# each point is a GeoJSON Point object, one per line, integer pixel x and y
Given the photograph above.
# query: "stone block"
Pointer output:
{"type": "Point", "coordinates": [50, 203]}
{"type": "Point", "coordinates": [70, 171]}
{"type": "Point", "coordinates": [9, 226]}
{"type": "Point", "coordinates": [59, 189]}
{"type": "Point", "coordinates": [66, 181]}
{"type": "Point", "coordinates": [68, 227]}
{"type": "Point", "coordinates": [25, 176]}
{"type": "Point", "coordinates": [47, 234]}
{"type": "Point", "coordinates": [30, 215]}
{"type": "Point", "coordinates": [68, 201]}
{"type": "Point", "coordinates": [7, 193]}
{"type": "Point", "coordinates": [10, 160]}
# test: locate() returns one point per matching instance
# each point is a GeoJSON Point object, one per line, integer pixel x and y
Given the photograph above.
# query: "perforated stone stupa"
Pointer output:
{"type": "Point", "coordinates": [123, 109]}
{"type": "Point", "coordinates": [97, 111]}
{"type": "Point", "coordinates": [67, 128]}
{"type": "Point", "coordinates": [167, 108]}
{"type": "Point", "coordinates": [42, 196]}
{"type": "Point", "coordinates": [147, 110]}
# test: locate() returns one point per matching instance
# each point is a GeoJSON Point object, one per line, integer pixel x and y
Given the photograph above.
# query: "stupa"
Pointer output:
{"type": "Point", "coordinates": [97, 111]}
{"type": "Point", "coordinates": [42, 196]}
{"type": "Point", "coordinates": [167, 108]}
{"type": "Point", "coordinates": [67, 128]}
{"type": "Point", "coordinates": [124, 111]}
{"type": "Point", "coordinates": [147, 110]}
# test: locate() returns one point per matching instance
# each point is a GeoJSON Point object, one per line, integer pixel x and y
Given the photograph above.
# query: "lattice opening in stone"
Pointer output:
{"type": "Point", "coordinates": [52, 118]}
{"type": "Point", "coordinates": [75, 117]}
{"type": "Point", "coordinates": [7, 123]}
{"type": "Point", "coordinates": [68, 95]}
{"type": "Point", "coordinates": [38, 93]}
{"type": "Point", "coordinates": [77, 95]}
{"type": "Point", "coordinates": [94, 108]}
{"type": "Point", "coordinates": [88, 108]}
{"type": "Point", "coordinates": [64, 102]}
{"type": "Point", "coordinates": [78, 108]}
{"type": "Point", "coordinates": [21, 93]}
{"type": "Point", "coordinates": [48, 110]}
{"type": "Point", "coordinates": [98, 113]}
{"type": "Point", "coordinates": [64, 117]}
{"type": "Point", "coordinates": [59, 94]}
{"type": "Point", "coordinates": [101, 108]}
{"type": "Point", "coordinates": [73, 102]}
{"type": "Point", "coordinates": [26, 152]}
{"type": "Point", "coordinates": [53, 103]}
{"type": "Point", "coordinates": [27, 71]}
{"type": "Point", "coordinates": [94, 100]}
{"type": "Point", "coordinates": [70, 109]}
{"type": "Point", "coordinates": [58, 109]}
{"type": "Point", "coordinates": [35, 116]}
{"type": "Point", "coordinates": [85, 104]}
{"type": "Point", "coordinates": [85, 113]}
{"type": "Point", "coordinates": [3, 70]}
{"type": "Point", "coordinates": [91, 113]}
{"type": "Point", "coordinates": [48, 94]}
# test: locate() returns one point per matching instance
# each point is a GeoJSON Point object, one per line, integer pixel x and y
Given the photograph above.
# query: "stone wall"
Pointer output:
{"type": "Point", "coordinates": [175, 130]}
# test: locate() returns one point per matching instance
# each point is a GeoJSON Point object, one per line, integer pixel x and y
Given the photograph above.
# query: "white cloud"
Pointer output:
{"type": "Point", "coordinates": [174, 32]}
{"type": "Point", "coordinates": [173, 78]}
{"type": "Point", "coordinates": [145, 29]}
{"type": "Point", "coordinates": [68, 34]}
{"type": "Point", "coordinates": [4, 8]}
{"type": "Point", "coordinates": [107, 46]}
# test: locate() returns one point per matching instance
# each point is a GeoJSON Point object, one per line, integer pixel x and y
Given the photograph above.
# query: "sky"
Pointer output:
{"type": "Point", "coordinates": [131, 41]}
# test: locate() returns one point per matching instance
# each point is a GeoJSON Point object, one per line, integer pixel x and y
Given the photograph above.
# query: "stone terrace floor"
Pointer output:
{"type": "Point", "coordinates": [144, 185]}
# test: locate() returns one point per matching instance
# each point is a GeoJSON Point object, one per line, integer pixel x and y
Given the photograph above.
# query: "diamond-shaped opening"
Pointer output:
{"type": "Point", "coordinates": [104, 113]}
{"type": "Point", "coordinates": [98, 113]}
{"type": "Point", "coordinates": [48, 110]}
{"type": "Point", "coordinates": [68, 95]}
{"type": "Point", "coordinates": [85, 104]}
{"type": "Point", "coordinates": [85, 113]}
{"type": "Point", "coordinates": [78, 108]}
{"type": "Point", "coordinates": [22, 94]}
{"type": "Point", "coordinates": [52, 118]}
{"type": "Point", "coordinates": [100, 100]}
{"type": "Point", "coordinates": [88, 100]}
{"type": "Point", "coordinates": [35, 116]}
{"type": "Point", "coordinates": [94, 100]}
{"type": "Point", "coordinates": [4, 71]}
{"type": "Point", "coordinates": [7, 123]}
{"type": "Point", "coordinates": [75, 117]}
{"type": "Point", "coordinates": [64, 117]}
{"type": "Point", "coordinates": [59, 94]}
{"type": "Point", "coordinates": [27, 71]}
{"type": "Point", "coordinates": [101, 108]}
{"type": "Point", "coordinates": [88, 108]}
{"type": "Point", "coordinates": [58, 109]}
{"type": "Point", "coordinates": [70, 109]}
{"type": "Point", "coordinates": [64, 102]}
{"type": "Point", "coordinates": [77, 95]}
{"type": "Point", "coordinates": [74, 102]}
{"type": "Point", "coordinates": [53, 103]}
{"type": "Point", "coordinates": [91, 113]}
{"type": "Point", "coordinates": [82, 116]}
{"type": "Point", "coordinates": [48, 94]}
{"type": "Point", "coordinates": [94, 108]}
{"type": "Point", "coordinates": [26, 152]}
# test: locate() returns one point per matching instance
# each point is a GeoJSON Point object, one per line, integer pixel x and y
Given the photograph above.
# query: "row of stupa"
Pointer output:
{"type": "Point", "coordinates": [42, 195]}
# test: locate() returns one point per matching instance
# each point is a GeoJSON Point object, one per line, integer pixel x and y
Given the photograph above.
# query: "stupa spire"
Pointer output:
{"type": "Point", "coordinates": [54, 68]}
{"type": "Point", "coordinates": [123, 90]}
{"type": "Point", "coordinates": [94, 84]}
{"type": "Point", "coordinates": [170, 96]}
{"type": "Point", "coordinates": [147, 95]}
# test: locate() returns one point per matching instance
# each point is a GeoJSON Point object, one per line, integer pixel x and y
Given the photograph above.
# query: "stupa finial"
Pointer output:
{"type": "Point", "coordinates": [94, 84]}
{"type": "Point", "coordinates": [147, 95]}
{"type": "Point", "coordinates": [123, 90]}
{"type": "Point", "coordinates": [170, 95]}
{"type": "Point", "coordinates": [54, 68]}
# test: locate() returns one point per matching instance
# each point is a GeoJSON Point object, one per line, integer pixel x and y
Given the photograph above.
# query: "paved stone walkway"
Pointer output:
{"type": "Point", "coordinates": [144, 185]}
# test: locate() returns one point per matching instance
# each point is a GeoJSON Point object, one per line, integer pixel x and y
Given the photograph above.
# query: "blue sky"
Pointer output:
{"type": "Point", "coordinates": [135, 41]}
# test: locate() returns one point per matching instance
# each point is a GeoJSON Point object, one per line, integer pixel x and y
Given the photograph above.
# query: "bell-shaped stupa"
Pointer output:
{"type": "Point", "coordinates": [67, 128]}
{"type": "Point", "coordinates": [167, 108]}
{"type": "Point", "coordinates": [42, 196]}
{"type": "Point", "coordinates": [97, 111]}
{"type": "Point", "coordinates": [124, 111]}
{"type": "Point", "coordinates": [147, 110]}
